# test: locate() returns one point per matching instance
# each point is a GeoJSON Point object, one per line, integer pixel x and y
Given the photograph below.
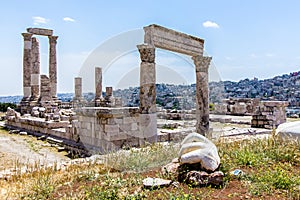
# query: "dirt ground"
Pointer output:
{"type": "Point", "coordinates": [25, 149]}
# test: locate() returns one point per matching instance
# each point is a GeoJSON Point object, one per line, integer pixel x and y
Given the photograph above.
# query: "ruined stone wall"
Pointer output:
{"type": "Point", "coordinates": [62, 129]}
{"type": "Point", "coordinates": [269, 114]}
{"type": "Point", "coordinates": [237, 106]}
{"type": "Point", "coordinates": [104, 129]}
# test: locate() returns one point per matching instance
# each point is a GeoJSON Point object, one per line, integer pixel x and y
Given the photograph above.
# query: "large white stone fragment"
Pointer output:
{"type": "Point", "coordinates": [289, 130]}
{"type": "Point", "coordinates": [196, 148]}
{"type": "Point", "coordinates": [155, 182]}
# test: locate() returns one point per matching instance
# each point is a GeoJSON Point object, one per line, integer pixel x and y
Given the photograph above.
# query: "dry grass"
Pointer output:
{"type": "Point", "coordinates": [271, 171]}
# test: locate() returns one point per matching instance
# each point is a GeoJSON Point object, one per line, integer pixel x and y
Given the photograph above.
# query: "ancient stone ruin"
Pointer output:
{"type": "Point", "coordinates": [237, 106]}
{"type": "Point", "coordinates": [269, 114]}
{"type": "Point", "coordinates": [103, 123]}
{"type": "Point", "coordinates": [161, 37]}
{"type": "Point", "coordinates": [38, 90]}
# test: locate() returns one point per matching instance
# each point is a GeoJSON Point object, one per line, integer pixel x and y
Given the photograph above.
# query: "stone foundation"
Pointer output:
{"type": "Point", "coordinates": [103, 129]}
{"type": "Point", "coordinates": [269, 114]}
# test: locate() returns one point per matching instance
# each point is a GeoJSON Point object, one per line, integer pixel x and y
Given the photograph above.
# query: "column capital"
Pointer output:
{"type": "Point", "coordinates": [202, 63]}
{"type": "Point", "coordinates": [27, 36]}
{"type": "Point", "coordinates": [147, 53]}
{"type": "Point", "coordinates": [52, 39]}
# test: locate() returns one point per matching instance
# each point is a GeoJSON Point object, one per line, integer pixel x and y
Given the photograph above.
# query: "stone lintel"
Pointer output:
{"type": "Point", "coordinates": [169, 39]}
{"type": "Point", "coordinates": [40, 31]}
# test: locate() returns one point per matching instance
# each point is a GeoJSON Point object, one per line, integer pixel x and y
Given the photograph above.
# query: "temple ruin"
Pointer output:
{"type": "Point", "coordinates": [38, 90]}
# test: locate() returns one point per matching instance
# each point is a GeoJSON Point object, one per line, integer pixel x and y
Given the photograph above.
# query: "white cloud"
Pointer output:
{"type": "Point", "coordinates": [39, 20]}
{"type": "Point", "coordinates": [210, 24]}
{"type": "Point", "coordinates": [253, 55]}
{"type": "Point", "coordinates": [68, 19]}
{"type": "Point", "coordinates": [229, 58]}
{"type": "Point", "coordinates": [270, 55]}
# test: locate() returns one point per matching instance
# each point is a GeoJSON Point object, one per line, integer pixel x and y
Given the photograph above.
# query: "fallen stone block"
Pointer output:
{"type": "Point", "coordinates": [201, 178]}
{"type": "Point", "coordinates": [23, 133]}
{"type": "Point", "coordinates": [155, 183]}
{"type": "Point", "coordinates": [196, 148]}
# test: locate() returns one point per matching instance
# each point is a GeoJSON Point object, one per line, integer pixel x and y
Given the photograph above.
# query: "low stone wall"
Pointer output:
{"type": "Point", "coordinates": [269, 114]}
{"type": "Point", "coordinates": [176, 114]}
{"type": "Point", "coordinates": [61, 129]}
{"type": "Point", "coordinates": [104, 129]}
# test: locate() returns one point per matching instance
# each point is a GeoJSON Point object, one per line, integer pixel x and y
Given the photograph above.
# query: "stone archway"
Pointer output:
{"type": "Point", "coordinates": [160, 37]}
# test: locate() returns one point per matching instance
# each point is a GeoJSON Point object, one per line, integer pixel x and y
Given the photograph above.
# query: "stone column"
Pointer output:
{"type": "Point", "coordinates": [109, 100]}
{"type": "Point", "coordinates": [53, 65]}
{"type": "Point", "coordinates": [27, 65]}
{"type": "Point", "coordinates": [35, 73]}
{"type": "Point", "coordinates": [109, 92]}
{"type": "Point", "coordinates": [202, 99]}
{"type": "Point", "coordinates": [45, 99]}
{"type": "Point", "coordinates": [98, 86]}
{"type": "Point", "coordinates": [78, 88]}
{"type": "Point", "coordinates": [148, 122]}
{"type": "Point", "coordinates": [45, 87]}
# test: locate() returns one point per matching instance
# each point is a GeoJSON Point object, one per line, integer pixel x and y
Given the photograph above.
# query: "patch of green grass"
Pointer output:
{"type": "Point", "coordinates": [270, 165]}
{"type": "Point", "coordinates": [273, 179]}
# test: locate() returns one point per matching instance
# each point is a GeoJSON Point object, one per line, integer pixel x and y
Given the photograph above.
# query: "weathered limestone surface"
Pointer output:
{"type": "Point", "coordinates": [27, 64]}
{"type": "Point", "coordinates": [35, 73]}
{"type": "Point", "coordinates": [237, 106]}
{"type": "Point", "coordinates": [45, 99]}
{"type": "Point", "coordinates": [53, 65]}
{"type": "Point", "coordinates": [78, 100]}
{"type": "Point", "coordinates": [40, 31]}
{"type": "Point", "coordinates": [105, 129]}
{"type": "Point", "coordinates": [147, 79]}
{"type": "Point", "coordinates": [98, 83]}
{"type": "Point", "coordinates": [202, 105]}
{"type": "Point", "coordinates": [148, 120]}
{"type": "Point", "coordinates": [78, 87]}
{"type": "Point", "coordinates": [168, 39]}
{"type": "Point", "coordinates": [40, 125]}
{"type": "Point", "coordinates": [269, 114]}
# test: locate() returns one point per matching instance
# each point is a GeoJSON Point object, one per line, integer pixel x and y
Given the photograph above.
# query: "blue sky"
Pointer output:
{"type": "Point", "coordinates": [245, 38]}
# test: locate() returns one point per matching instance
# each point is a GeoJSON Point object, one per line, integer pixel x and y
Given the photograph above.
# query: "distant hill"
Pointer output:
{"type": "Point", "coordinates": [285, 87]}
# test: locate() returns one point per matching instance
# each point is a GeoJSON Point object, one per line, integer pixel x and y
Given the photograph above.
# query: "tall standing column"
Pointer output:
{"type": "Point", "coordinates": [202, 96]}
{"type": "Point", "coordinates": [148, 122]}
{"type": "Point", "coordinates": [78, 88]}
{"type": "Point", "coordinates": [27, 65]}
{"type": "Point", "coordinates": [35, 73]}
{"type": "Point", "coordinates": [98, 83]}
{"type": "Point", "coordinates": [53, 65]}
{"type": "Point", "coordinates": [78, 100]}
